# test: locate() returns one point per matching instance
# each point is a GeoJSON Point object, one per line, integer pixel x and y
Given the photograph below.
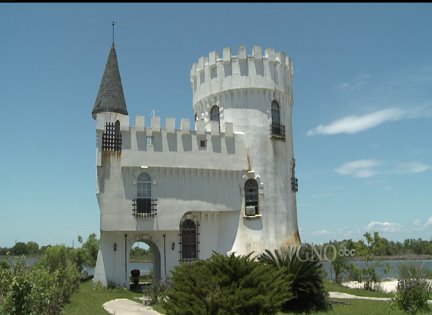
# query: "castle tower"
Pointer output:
{"type": "Point", "coordinates": [254, 93]}
{"type": "Point", "coordinates": [111, 115]}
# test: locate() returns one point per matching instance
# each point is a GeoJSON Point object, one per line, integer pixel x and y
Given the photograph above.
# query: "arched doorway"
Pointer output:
{"type": "Point", "coordinates": [144, 255]}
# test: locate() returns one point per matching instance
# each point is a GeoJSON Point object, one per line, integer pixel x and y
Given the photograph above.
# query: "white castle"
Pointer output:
{"type": "Point", "coordinates": [227, 185]}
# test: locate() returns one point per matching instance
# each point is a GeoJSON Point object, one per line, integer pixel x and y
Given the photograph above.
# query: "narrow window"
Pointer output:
{"type": "Point", "coordinates": [277, 129]}
{"type": "Point", "coordinates": [189, 240]}
{"type": "Point", "coordinates": [111, 139]}
{"type": "Point", "coordinates": [143, 201]}
{"type": "Point", "coordinates": [203, 144]}
{"type": "Point", "coordinates": [251, 197]}
{"type": "Point", "coordinates": [214, 113]}
{"type": "Point", "coordinates": [275, 111]}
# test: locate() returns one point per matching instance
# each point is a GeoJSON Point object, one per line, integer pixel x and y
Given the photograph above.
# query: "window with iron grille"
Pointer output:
{"type": "Point", "coordinates": [111, 139]}
{"type": "Point", "coordinates": [188, 240]}
{"type": "Point", "coordinates": [144, 205]}
{"type": "Point", "coordinates": [277, 130]}
{"type": "Point", "coordinates": [251, 197]}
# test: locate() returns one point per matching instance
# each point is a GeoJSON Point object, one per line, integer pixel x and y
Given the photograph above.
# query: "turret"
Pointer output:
{"type": "Point", "coordinates": [254, 93]}
{"type": "Point", "coordinates": [110, 97]}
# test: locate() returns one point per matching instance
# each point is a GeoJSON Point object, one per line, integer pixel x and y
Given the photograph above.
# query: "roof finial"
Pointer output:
{"type": "Point", "coordinates": [113, 30]}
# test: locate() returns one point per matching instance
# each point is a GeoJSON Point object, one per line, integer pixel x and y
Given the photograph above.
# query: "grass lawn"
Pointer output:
{"type": "Point", "coordinates": [89, 300]}
{"type": "Point", "coordinates": [360, 307]}
{"type": "Point", "coordinates": [331, 286]}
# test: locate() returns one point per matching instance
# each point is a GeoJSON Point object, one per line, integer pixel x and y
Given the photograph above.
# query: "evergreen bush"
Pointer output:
{"type": "Point", "coordinates": [226, 285]}
{"type": "Point", "coordinates": [305, 275]}
{"type": "Point", "coordinates": [412, 290]}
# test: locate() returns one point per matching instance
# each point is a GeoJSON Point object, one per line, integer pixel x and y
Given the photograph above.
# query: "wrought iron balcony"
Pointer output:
{"type": "Point", "coordinates": [277, 131]}
{"type": "Point", "coordinates": [294, 184]}
{"type": "Point", "coordinates": [144, 207]}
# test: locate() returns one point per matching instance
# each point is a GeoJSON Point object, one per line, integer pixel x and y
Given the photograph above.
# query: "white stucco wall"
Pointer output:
{"type": "Point", "coordinates": [243, 87]}
{"type": "Point", "coordinates": [204, 183]}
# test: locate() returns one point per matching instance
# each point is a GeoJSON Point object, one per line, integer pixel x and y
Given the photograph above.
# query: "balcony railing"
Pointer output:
{"type": "Point", "coordinates": [144, 207]}
{"type": "Point", "coordinates": [277, 131]}
{"type": "Point", "coordinates": [294, 184]}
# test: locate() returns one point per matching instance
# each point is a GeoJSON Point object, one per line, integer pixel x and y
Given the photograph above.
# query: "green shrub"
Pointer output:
{"type": "Point", "coordinates": [305, 276]}
{"type": "Point", "coordinates": [226, 285]}
{"type": "Point", "coordinates": [4, 264]}
{"type": "Point", "coordinates": [17, 298]}
{"type": "Point", "coordinates": [40, 290]}
{"type": "Point", "coordinates": [412, 289]}
{"type": "Point", "coordinates": [370, 251]}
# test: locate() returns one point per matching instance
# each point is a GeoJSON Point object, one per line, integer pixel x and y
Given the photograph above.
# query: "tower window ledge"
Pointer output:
{"type": "Point", "coordinates": [252, 217]}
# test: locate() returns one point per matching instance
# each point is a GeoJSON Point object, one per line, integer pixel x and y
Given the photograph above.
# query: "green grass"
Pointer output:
{"type": "Point", "coordinates": [331, 286]}
{"type": "Point", "coordinates": [89, 300]}
{"type": "Point", "coordinates": [159, 308]}
{"type": "Point", "coordinates": [360, 307]}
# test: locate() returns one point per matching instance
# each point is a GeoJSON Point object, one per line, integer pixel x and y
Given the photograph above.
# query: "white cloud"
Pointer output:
{"type": "Point", "coordinates": [356, 124]}
{"type": "Point", "coordinates": [411, 167]}
{"type": "Point", "coordinates": [356, 84]}
{"type": "Point", "coordinates": [389, 227]}
{"type": "Point", "coordinates": [428, 224]}
{"type": "Point", "coordinates": [419, 226]}
{"type": "Point", "coordinates": [359, 168]}
{"type": "Point", "coordinates": [321, 233]}
{"type": "Point", "coordinates": [338, 233]}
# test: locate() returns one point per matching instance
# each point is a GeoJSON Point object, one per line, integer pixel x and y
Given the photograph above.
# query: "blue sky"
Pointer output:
{"type": "Point", "coordinates": [362, 112]}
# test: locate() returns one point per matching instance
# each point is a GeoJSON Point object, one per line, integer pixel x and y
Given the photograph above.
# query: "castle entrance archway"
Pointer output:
{"type": "Point", "coordinates": [144, 256]}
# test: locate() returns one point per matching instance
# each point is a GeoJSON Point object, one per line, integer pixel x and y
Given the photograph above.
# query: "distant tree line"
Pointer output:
{"type": "Point", "coordinates": [88, 250]}
{"type": "Point", "coordinates": [23, 249]}
{"type": "Point", "coordinates": [141, 254]}
{"type": "Point", "coordinates": [389, 248]}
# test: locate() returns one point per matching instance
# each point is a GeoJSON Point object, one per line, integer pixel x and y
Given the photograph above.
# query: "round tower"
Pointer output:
{"type": "Point", "coordinates": [254, 93]}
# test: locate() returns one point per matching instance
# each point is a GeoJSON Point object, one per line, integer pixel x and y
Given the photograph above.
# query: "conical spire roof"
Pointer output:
{"type": "Point", "coordinates": [110, 97]}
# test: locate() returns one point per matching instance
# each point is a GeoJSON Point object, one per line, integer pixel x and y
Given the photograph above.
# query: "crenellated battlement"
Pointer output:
{"type": "Point", "coordinates": [269, 70]}
{"type": "Point", "coordinates": [154, 145]}
{"type": "Point", "coordinates": [201, 127]}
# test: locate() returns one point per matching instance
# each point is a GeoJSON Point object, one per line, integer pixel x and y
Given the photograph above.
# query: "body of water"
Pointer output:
{"type": "Point", "coordinates": [147, 267]}
{"type": "Point", "coordinates": [144, 267]}
{"type": "Point", "coordinates": [394, 267]}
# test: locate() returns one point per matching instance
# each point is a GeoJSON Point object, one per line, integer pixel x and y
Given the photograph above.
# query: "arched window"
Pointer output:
{"type": "Point", "coordinates": [275, 111]}
{"type": "Point", "coordinates": [144, 200]}
{"type": "Point", "coordinates": [251, 197]}
{"type": "Point", "coordinates": [277, 129]}
{"type": "Point", "coordinates": [189, 240]}
{"type": "Point", "coordinates": [214, 113]}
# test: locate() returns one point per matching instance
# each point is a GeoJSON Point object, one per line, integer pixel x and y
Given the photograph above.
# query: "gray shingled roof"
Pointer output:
{"type": "Point", "coordinates": [110, 97]}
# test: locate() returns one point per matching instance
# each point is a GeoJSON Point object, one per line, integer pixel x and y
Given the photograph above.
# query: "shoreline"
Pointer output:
{"type": "Point", "coordinates": [140, 261]}
{"type": "Point", "coordinates": [388, 286]}
{"type": "Point", "coordinates": [389, 258]}
{"type": "Point", "coordinates": [397, 257]}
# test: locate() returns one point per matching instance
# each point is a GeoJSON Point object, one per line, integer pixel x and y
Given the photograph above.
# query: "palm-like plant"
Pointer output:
{"type": "Point", "coordinates": [305, 271]}
{"type": "Point", "coordinates": [233, 285]}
